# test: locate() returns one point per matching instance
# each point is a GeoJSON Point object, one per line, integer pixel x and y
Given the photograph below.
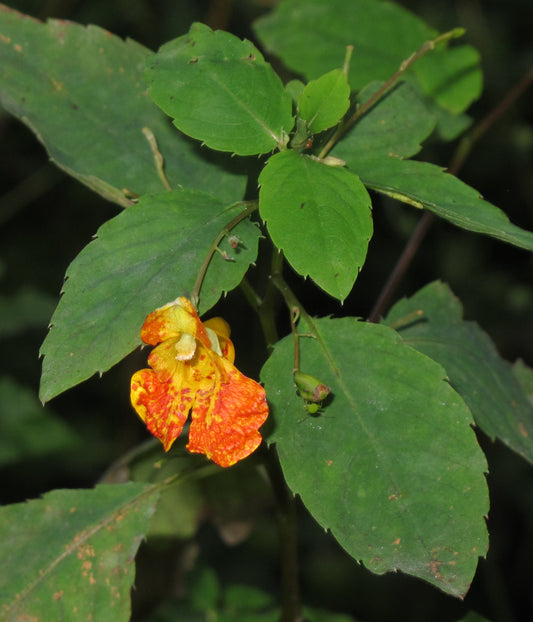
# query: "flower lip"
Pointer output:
{"type": "Point", "coordinates": [185, 347]}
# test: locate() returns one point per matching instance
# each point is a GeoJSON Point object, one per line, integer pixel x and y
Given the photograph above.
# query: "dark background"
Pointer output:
{"type": "Point", "coordinates": [46, 218]}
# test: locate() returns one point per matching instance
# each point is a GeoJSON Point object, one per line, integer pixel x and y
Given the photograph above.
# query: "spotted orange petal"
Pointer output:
{"type": "Point", "coordinates": [226, 431]}
{"type": "Point", "coordinates": [163, 406]}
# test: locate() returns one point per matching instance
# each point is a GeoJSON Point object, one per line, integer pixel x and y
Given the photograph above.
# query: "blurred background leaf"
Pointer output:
{"type": "Point", "coordinates": [28, 431]}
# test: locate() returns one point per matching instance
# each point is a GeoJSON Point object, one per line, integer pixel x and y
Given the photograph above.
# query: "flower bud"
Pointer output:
{"type": "Point", "coordinates": [310, 388]}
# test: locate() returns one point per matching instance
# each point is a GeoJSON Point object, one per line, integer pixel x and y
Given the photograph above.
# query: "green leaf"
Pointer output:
{"type": "Point", "coordinates": [391, 466]}
{"type": "Point", "coordinates": [70, 555]}
{"type": "Point", "coordinates": [319, 216]}
{"type": "Point", "coordinates": [325, 101]}
{"type": "Point", "coordinates": [476, 371]}
{"type": "Point", "coordinates": [428, 186]}
{"type": "Point", "coordinates": [395, 126]}
{"type": "Point", "coordinates": [220, 90]}
{"type": "Point", "coordinates": [143, 258]}
{"type": "Point", "coordinates": [81, 90]}
{"type": "Point", "coordinates": [311, 37]}
{"type": "Point", "coordinates": [27, 430]}
{"type": "Point", "coordinates": [524, 375]}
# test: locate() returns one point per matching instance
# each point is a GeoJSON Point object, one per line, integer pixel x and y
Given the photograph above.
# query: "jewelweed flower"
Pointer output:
{"type": "Point", "coordinates": [192, 370]}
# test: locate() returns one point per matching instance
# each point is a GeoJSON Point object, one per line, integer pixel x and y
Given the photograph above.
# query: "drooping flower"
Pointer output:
{"type": "Point", "coordinates": [192, 370]}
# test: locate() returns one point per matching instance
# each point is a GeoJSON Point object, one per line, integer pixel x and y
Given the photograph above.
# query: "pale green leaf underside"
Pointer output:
{"type": "Point", "coordinates": [391, 465]}
{"type": "Point", "coordinates": [221, 91]}
{"type": "Point", "coordinates": [70, 555]}
{"type": "Point", "coordinates": [428, 186]}
{"type": "Point", "coordinates": [81, 90]}
{"type": "Point", "coordinates": [319, 216]}
{"type": "Point", "coordinates": [143, 258]}
{"type": "Point", "coordinates": [311, 37]}
{"type": "Point", "coordinates": [476, 371]}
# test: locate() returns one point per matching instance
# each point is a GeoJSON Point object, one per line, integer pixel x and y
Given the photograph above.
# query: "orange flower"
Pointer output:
{"type": "Point", "coordinates": [192, 369]}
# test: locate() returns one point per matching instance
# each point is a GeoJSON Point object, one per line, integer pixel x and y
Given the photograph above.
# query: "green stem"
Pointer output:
{"type": "Point", "coordinates": [264, 313]}
{"type": "Point", "coordinates": [424, 49]}
{"type": "Point", "coordinates": [291, 301]}
{"type": "Point", "coordinates": [295, 314]}
{"type": "Point", "coordinates": [267, 309]}
{"type": "Point", "coordinates": [252, 206]}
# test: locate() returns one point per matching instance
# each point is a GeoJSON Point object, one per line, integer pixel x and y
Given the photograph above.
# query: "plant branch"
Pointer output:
{"type": "Point", "coordinates": [252, 206]}
{"type": "Point", "coordinates": [481, 128]}
{"type": "Point", "coordinates": [290, 299]}
{"type": "Point", "coordinates": [265, 307]}
{"type": "Point", "coordinates": [363, 109]}
{"type": "Point", "coordinates": [461, 153]}
{"type": "Point", "coordinates": [403, 263]}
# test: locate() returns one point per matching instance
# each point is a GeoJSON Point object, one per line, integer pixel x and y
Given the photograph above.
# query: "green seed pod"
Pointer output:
{"type": "Point", "coordinates": [310, 388]}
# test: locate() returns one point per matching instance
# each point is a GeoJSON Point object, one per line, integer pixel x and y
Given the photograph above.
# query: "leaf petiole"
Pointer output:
{"type": "Point", "coordinates": [251, 207]}
{"type": "Point", "coordinates": [158, 158]}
